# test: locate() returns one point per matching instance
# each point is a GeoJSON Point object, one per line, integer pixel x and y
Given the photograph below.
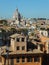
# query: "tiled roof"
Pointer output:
{"type": "Point", "coordinates": [16, 35]}
{"type": "Point", "coordinates": [44, 39]}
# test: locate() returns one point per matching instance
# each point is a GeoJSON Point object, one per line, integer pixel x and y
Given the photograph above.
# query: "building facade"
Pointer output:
{"type": "Point", "coordinates": [18, 53]}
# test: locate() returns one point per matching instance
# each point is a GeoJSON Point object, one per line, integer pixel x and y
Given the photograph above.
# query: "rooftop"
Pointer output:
{"type": "Point", "coordinates": [17, 35]}
{"type": "Point", "coordinates": [35, 51]}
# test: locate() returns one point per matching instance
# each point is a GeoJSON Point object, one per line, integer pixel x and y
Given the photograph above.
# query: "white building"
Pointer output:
{"type": "Point", "coordinates": [43, 32]}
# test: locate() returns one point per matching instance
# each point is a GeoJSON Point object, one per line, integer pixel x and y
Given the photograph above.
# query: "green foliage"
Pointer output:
{"type": "Point", "coordinates": [4, 22]}
{"type": "Point", "coordinates": [13, 30]}
{"type": "Point", "coordinates": [42, 28]}
{"type": "Point", "coordinates": [32, 34]}
{"type": "Point", "coordinates": [41, 18]}
{"type": "Point", "coordinates": [24, 31]}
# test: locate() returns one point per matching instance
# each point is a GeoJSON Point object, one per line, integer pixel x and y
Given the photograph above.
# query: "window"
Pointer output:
{"type": "Point", "coordinates": [18, 47]}
{"type": "Point", "coordinates": [23, 47]}
{"type": "Point", "coordinates": [17, 39]}
{"type": "Point", "coordinates": [23, 59]}
{"type": "Point", "coordinates": [12, 61]}
{"type": "Point", "coordinates": [48, 45]}
{"type": "Point", "coordinates": [29, 59]}
{"type": "Point", "coordinates": [42, 33]}
{"type": "Point", "coordinates": [0, 59]}
{"type": "Point", "coordinates": [17, 59]}
{"type": "Point", "coordinates": [22, 39]}
{"type": "Point", "coordinates": [36, 59]}
{"type": "Point", "coordinates": [41, 47]}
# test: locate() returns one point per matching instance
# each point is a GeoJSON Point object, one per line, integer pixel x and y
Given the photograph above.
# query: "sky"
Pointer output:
{"type": "Point", "coordinates": [27, 8]}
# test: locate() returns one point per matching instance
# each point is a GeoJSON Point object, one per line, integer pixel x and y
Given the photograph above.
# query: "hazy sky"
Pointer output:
{"type": "Point", "coordinates": [28, 8]}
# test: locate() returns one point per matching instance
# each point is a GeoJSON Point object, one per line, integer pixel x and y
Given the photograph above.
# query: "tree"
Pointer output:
{"type": "Point", "coordinates": [13, 30]}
